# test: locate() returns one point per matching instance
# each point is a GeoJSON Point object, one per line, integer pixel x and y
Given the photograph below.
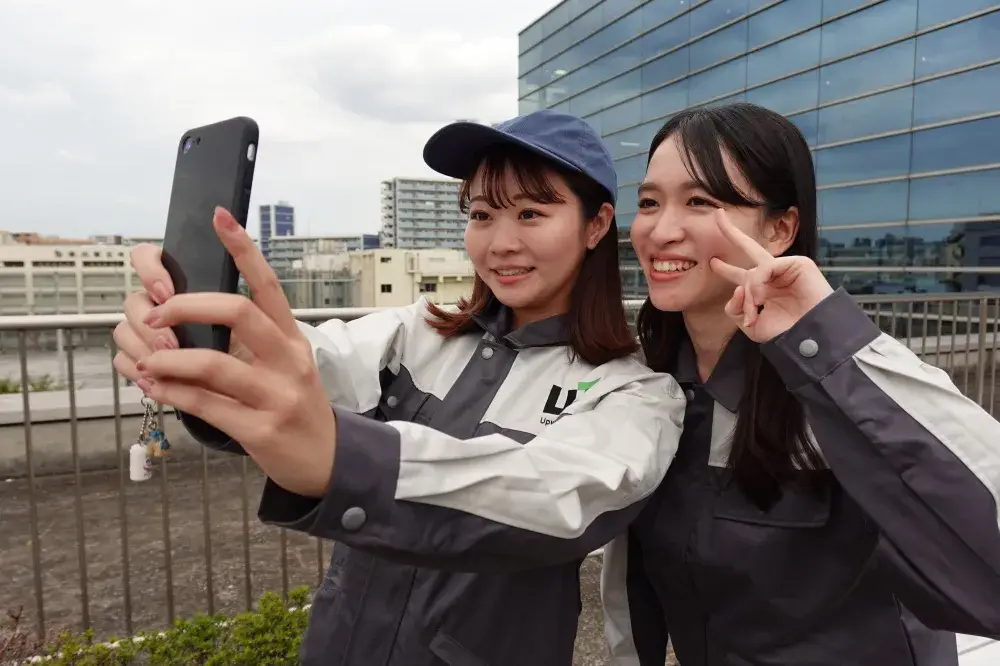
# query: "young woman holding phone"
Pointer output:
{"type": "Point", "coordinates": [474, 455]}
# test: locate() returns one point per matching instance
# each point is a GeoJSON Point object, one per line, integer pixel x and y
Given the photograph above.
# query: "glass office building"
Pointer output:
{"type": "Point", "coordinates": [899, 99]}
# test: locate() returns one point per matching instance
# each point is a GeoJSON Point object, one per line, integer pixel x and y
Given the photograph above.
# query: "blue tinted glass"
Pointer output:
{"type": "Point", "coordinates": [616, 62]}
{"type": "Point", "coordinates": [718, 81]}
{"type": "Point", "coordinates": [933, 12]}
{"type": "Point", "coordinates": [806, 122]}
{"type": "Point", "coordinates": [632, 141]}
{"type": "Point", "coordinates": [529, 37]}
{"type": "Point", "coordinates": [782, 20]}
{"type": "Point", "coordinates": [562, 107]}
{"type": "Point", "coordinates": [710, 15]}
{"type": "Point", "coordinates": [612, 9]}
{"type": "Point", "coordinates": [867, 160]}
{"type": "Point", "coordinates": [665, 68]}
{"type": "Point", "coordinates": [882, 202]}
{"type": "Point", "coordinates": [719, 46]}
{"type": "Point", "coordinates": [959, 195]}
{"type": "Point", "coordinates": [529, 60]}
{"type": "Point", "coordinates": [607, 94]}
{"type": "Point", "coordinates": [951, 244]}
{"type": "Point", "coordinates": [838, 7]}
{"type": "Point", "coordinates": [790, 55]}
{"type": "Point", "coordinates": [874, 246]}
{"type": "Point", "coordinates": [528, 104]}
{"type": "Point", "coordinates": [738, 97]}
{"type": "Point", "coordinates": [631, 169]}
{"type": "Point", "coordinates": [621, 116]}
{"type": "Point", "coordinates": [557, 17]}
{"type": "Point", "coordinates": [871, 71]}
{"type": "Point", "coordinates": [874, 25]}
{"type": "Point", "coordinates": [961, 45]}
{"type": "Point", "coordinates": [658, 11]}
{"type": "Point", "coordinates": [956, 146]}
{"type": "Point", "coordinates": [866, 116]}
{"type": "Point", "coordinates": [957, 96]}
{"type": "Point", "coordinates": [627, 196]}
{"type": "Point", "coordinates": [662, 101]}
{"type": "Point", "coordinates": [666, 37]}
{"type": "Point", "coordinates": [788, 95]}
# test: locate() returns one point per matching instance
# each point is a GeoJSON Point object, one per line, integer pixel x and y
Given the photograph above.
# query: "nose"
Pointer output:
{"type": "Point", "coordinates": [506, 238]}
{"type": "Point", "coordinates": [668, 228]}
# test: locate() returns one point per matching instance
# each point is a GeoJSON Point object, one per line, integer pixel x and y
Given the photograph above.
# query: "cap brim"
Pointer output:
{"type": "Point", "coordinates": [457, 149]}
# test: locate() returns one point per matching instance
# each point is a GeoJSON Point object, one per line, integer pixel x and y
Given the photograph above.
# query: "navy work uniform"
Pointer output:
{"type": "Point", "coordinates": [903, 535]}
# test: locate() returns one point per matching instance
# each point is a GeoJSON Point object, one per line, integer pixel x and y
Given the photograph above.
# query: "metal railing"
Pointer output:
{"type": "Point", "coordinates": [94, 549]}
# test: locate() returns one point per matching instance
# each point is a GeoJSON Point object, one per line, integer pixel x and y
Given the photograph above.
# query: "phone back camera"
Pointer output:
{"type": "Point", "coordinates": [188, 143]}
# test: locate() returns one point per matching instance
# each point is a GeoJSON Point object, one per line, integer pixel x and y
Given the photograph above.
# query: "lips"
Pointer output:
{"type": "Point", "coordinates": [512, 272]}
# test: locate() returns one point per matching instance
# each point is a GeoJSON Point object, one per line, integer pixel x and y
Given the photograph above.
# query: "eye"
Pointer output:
{"type": "Point", "coordinates": [478, 216]}
{"type": "Point", "coordinates": [701, 201]}
{"type": "Point", "coordinates": [529, 214]}
{"type": "Point", "coordinates": [646, 202]}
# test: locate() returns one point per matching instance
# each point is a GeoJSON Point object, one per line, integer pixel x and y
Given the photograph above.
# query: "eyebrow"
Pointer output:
{"type": "Point", "coordinates": [482, 198]}
{"type": "Point", "coordinates": [649, 186]}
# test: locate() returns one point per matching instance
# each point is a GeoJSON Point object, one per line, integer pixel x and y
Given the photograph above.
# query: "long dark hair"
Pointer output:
{"type": "Point", "coordinates": [597, 328]}
{"type": "Point", "coordinates": [770, 443]}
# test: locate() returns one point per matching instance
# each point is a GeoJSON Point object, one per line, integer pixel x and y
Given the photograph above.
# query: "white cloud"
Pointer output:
{"type": "Point", "coordinates": [345, 96]}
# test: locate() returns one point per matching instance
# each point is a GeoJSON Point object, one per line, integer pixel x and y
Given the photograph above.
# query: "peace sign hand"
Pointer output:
{"type": "Point", "coordinates": [773, 295]}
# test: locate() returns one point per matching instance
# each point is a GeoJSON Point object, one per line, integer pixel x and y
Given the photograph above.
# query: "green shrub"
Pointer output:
{"type": "Point", "coordinates": [271, 634]}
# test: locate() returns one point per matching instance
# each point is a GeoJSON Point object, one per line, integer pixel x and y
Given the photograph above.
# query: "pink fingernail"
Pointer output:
{"type": "Point", "coordinates": [161, 291]}
{"type": "Point", "coordinates": [153, 317]}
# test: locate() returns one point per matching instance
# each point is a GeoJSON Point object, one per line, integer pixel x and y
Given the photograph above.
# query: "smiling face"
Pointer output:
{"type": "Point", "coordinates": [527, 236]}
{"type": "Point", "coordinates": [675, 233]}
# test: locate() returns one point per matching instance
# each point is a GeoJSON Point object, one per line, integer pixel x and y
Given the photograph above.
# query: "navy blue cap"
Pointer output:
{"type": "Point", "coordinates": [457, 149]}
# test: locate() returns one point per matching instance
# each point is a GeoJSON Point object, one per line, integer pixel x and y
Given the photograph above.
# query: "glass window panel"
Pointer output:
{"type": "Point", "coordinates": [528, 104]}
{"type": "Point", "coordinates": [933, 12]}
{"type": "Point", "coordinates": [666, 37]}
{"type": "Point", "coordinates": [867, 246]}
{"type": "Point", "coordinates": [622, 116]}
{"type": "Point", "coordinates": [966, 244]}
{"type": "Point", "coordinates": [881, 202]}
{"type": "Point", "coordinates": [807, 123]}
{"type": "Point", "coordinates": [616, 62]}
{"type": "Point", "coordinates": [612, 9]}
{"type": "Point", "coordinates": [961, 45]}
{"type": "Point", "coordinates": [627, 196]}
{"type": "Point", "coordinates": [785, 57]}
{"type": "Point", "coordinates": [631, 169]}
{"type": "Point", "coordinates": [658, 11]}
{"type": "Point", "coordinates": [722, 45]}
{"type": "Point", "coordinates": [787, 95]}
{"type": "Point", "coordinates": [718, 81]}
{"type": "Point", "coordinates": [665, 68]}
{"type": "Point", "coordinates": [557, 17]}
{"type": "Point", "coordinates": [666, 100]}
{"type": "Point", "coordinates": [529, 59]}
{"type": "Point", "coordinates": [738, 97]}
{"type": "Point", "coordinates": [838, 7]}
{"type": "Point", "coordinates": [877, 24]}
{"type": "Point", "coordinates": [886, 112]}
{"type": "Point", "coordinates": [957, 96]}
{"type": "Point", "coordinates": [632, 141]}
{"type": "Point", "coordinates": [868, 160]}
{"type": "Point", "coordinates": [958, 195]}
{"type": "Point", "coordinates": [529, 37]}
{"type": "Point", "coordinates": [956, 146]}
{"type": "Point", "coordinates": [782, 20]}
{"type": "Point", "coordinates": [871, 71]}
{"type": "Point", "coordinates": [607, 94]}
{"type": "Point", "coordinates": [710, 15]}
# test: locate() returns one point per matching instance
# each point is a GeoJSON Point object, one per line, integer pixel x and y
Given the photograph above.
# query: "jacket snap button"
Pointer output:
{"type": "Point", "coordinates": [392, 401]}
{"type": "Point", "coordinates": [487, 352]}
{"type": "Point", "coordinates": [353, 519]}
{"type": "Point", "coordinates": [808, 348]}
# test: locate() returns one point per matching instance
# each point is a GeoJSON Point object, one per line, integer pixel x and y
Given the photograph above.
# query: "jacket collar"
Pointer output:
{"type": "Point", "coordinates": [497, 320]}
{"type": "Point", "coordinates": [725, 384]}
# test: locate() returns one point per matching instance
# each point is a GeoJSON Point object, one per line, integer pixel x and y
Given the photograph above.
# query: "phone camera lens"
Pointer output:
{"type": "Point", "coordinates": [188, 143]}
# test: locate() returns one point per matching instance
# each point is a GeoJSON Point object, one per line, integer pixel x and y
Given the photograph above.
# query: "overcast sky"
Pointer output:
{"type": "Point", "coordinates": [94, 97]}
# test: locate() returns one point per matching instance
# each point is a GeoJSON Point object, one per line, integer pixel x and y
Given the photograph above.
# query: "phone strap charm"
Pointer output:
{"type": "Point", "coordinates": [151, 443]}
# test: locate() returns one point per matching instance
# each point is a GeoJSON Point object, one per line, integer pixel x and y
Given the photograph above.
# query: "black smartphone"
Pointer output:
{"type": "Point", "coordinates": [214, 167]}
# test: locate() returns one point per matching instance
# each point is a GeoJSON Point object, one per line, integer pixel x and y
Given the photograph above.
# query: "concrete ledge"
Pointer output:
{"type": "Point", "coordinates": [93, 403]}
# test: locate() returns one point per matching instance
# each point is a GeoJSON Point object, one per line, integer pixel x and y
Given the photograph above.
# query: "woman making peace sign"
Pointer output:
{"type": "Point", "coordinates": [833, 500]}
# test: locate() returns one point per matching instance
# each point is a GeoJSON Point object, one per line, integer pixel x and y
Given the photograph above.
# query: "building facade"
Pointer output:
{"type": "Point", "coordinates": [285, 251]}
{"type": "Point", "coordinates": [421, 213]}
{"type": "Point", "coordinates": [275, 220]}
{"type": "Point", "coordinates": [897, 98]}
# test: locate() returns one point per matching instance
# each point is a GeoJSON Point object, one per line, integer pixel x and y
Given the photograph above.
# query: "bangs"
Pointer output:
{"type": "Point", "coordinates": [702, 145]}
{"type": "Point", "coordinates": [529, 172]}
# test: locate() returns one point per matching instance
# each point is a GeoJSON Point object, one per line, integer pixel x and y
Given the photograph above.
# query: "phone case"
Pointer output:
{"type": "Point", "coordinates": [214, 167]}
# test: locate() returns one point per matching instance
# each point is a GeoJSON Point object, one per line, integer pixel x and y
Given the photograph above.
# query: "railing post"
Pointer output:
{"type": "Point", "coordinates": [981, 355]}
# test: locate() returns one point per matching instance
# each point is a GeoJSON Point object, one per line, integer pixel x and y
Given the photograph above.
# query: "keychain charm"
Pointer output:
{"type": "Point", "coordinates": [151, 443]}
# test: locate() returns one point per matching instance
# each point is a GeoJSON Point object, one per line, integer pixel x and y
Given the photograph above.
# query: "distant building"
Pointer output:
{"type": "Point", "coordinates": [285, 251]}
{"type": "Point", "coordinates": [276, 220]}
{"type": "Point", "coordinates": [421, 213]}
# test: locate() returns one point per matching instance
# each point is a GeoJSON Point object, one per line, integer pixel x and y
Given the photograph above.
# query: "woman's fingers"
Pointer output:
{"type": "Point", "coordinates": [213, 370]}
{"type": "Point", "coordinates": [247, 321]}
{"type": "Point", "coordinates": [137, 307]}
{"type": "Point", "coordinates": [749, 246]}
{"type": "Point", "coordinates": [260, 277]}
{"type": "Point", "coordinates": [146, 260]}
{"type": "Point", "coordinates": [129, 342]}
{"type": "Point", "coordinates": [224, 413]}
{"type": "Point", "coordinates": [729, 272]}
{"type": "Point", "coordinates": [125, 366]}
{"type": "Point", "coordinates": [734, 308]}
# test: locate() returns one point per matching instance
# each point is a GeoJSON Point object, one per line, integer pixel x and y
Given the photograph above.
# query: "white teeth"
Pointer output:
{"type": "Point", "coordinates": [672, 266]}
{"type": "Point", "coordinates": [513, 271]}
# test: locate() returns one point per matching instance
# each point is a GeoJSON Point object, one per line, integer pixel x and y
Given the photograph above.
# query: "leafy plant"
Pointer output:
{"type": "Point", "coordinates": [270, 634]}
{"type": "Point", "coordinates": [46, 382]}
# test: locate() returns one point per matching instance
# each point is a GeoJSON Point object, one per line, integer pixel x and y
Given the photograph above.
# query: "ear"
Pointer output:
{"type": "Point", "coordinates": [597, 228]}
{"type": "Point", "coordinates": [780, 232]}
